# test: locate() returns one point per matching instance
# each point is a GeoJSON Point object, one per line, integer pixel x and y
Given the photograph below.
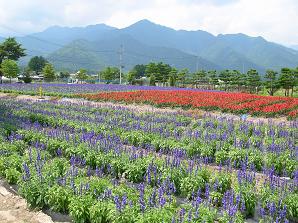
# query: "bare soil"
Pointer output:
{"type": "Point", "coordinates": [13, 209]}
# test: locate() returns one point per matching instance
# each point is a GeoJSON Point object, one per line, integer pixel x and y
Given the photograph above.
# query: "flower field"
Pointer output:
{"type": "Point", "coordinates": [226, 102]}
{"type": "Point", "coordinates": [68, 90]}
{"type": "Point", "coordinates": [109, 163]}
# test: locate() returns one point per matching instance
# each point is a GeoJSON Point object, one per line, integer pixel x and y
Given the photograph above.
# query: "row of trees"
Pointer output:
{"type": "Point", "coordinates": [227, 80]}
{"type": "Point", "coordinates": [165, 75]}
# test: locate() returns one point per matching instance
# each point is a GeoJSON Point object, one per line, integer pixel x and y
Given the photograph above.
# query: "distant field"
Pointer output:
{"type": "Point", "coordinates": [69, 90]}
{"type": "Point", "coordinates": [239, 103]}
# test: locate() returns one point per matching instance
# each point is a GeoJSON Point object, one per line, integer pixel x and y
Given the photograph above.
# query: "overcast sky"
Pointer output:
{"type": "Point", "coordinates": [276, 20]}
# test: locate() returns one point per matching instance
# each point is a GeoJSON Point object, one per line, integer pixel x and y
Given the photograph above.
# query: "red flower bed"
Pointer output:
{"type": "Point", "coordinates": [230, 102]}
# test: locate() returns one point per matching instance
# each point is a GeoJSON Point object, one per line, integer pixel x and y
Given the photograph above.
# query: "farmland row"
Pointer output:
{"type": "Point", "coordinates": [81, 164]}
{"type": "Point", "coordinates": [239, 103]}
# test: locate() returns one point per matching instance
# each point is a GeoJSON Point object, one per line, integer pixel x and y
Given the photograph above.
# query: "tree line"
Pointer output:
{"type": "Point", "coordinates": [226, 80]}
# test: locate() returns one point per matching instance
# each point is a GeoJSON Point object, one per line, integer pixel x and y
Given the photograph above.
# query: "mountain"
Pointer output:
{"type": "Point", "coordinates": [95, 55]}
{"type": "Point", "coordinates": [157, 35]}
{"type": "Point", "coordinates": [295, 47]}
{"type": "Point", "coordinates": [95, 46]}
{"type": "Point", "coordinates": [56, 37]}
{"type": "Point", "coordinates": [233, 51]}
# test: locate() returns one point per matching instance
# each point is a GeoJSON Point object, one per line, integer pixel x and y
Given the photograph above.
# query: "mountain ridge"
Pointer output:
{"type": "Point", "coordinates": [223, 51]}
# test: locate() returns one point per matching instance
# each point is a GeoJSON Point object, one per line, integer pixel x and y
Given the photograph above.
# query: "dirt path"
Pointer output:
{"type": "Point", "coordinates": [13, 209]}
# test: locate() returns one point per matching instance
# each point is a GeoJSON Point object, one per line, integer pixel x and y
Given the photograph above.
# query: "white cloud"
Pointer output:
{"type": "Point", "coordinates": [273, 19]}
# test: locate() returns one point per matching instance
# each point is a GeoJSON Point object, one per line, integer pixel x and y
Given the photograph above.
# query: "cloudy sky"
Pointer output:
{"type": "Point", "coordinates": [276, 20]}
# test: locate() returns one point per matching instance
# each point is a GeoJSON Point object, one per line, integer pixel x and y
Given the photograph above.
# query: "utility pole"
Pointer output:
{"type": "Point", "coordinates": [121, 51]}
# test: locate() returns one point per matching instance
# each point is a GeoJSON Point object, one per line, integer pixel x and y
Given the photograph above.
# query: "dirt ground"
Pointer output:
{"type": "Point", "coordinates": [13, 209]}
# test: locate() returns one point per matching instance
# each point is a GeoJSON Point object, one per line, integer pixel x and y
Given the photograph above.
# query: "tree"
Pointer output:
{"type": "Point", "coordinates": [110, 73]}
{"type": "Point", "coordinates": [182, 76]}
{"type": "Point", "coordinates": [131, 77]}
{"type": "Point", "coordinates": [173, 76]}
{"type": "Point", "coordinates": [164, 70]}
{"type": "Point", "coordinates": [235, 79]}
{"type": "Point", "coordinates": [10, 49]}
{"type": "Point", "coordinates": [152, 69]}
{"type": "Point", "coordinates": [253, 80]}
{"type": "Point", "coordinates": [37, 63]}
{"type": "Point", "coordinates": [160, 70]}
{"type": "Point", "coordinates": [48, 72]}
{"type": "Point", "coordinates": [140, 70]}
{"type": "Point", "coordinates": [64, 74]}
{"type": "Point", "coordinates": [9, 68]}
{"type": "Point", "coordinates": [200, 77]}
{"type": "Point", "coordinates": [213, 78]}
{"type": "Point", "coordinates": [27, 75]}
{"type": "Point", "coordinates": [152, 80]}
{"type": "Point", "coordinates": [271, 83]}
{"type": "Point", "coordinates": [82, 75]}
{"type": "Point", "coordinates": [287, 80]}
{"type": "Point", "coordinates": [225, 77]}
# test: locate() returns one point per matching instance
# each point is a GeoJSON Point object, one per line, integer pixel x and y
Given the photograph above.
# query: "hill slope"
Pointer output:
{"type": "Point", "coordinates": [104, 52]}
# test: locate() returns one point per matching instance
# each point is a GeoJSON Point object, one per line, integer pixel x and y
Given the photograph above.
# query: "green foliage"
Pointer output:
{"type": "Point", "coordinates": [11, 49]}
{"type": "Point", "coordinates": [34, 191]}
{"type": "Point", "coordinates": [102, 212]}
{"type": "Point", "coordinates": [131, 77]}
{"type": "Point", "coordinates": [48, 72]}
{"type": "Point", "coordinates": [79, 208]}
{"type": "Point", "coordinates": [159, 70]}
{"type": "Point", "coordinates": [58, 198]}
{"type": "Point", "coordinates": [291, 202]}
{"type": "Point", "coordinates": [12, 175]}
{"type": "Point", "coordinates": [139, 70]}
{"type": "Point", "coordinates": [27, 76]}
{"type": "Point", "coordinates": [282, 163]}
{"type": "Point", "coordinates": [110, 74]}
{"type": "Point", "coordinates": [288, 79]}
{"type": "Point", "coordinates": [271, 83]}
{"type": "Point", "coordinates": [9, 68]}
{"type": "Point", "coordinates": [82, 75]}
{"type": "Point", "coordinates": [253, 80]}
{"type": "Point", "coordinates": [152, 80]}
{"type": "Point", "coordinates": [37, 63]}
{"type": "Point", "coordinates": [194, 182]}
{"type": "Point", "coordinates": [155, 215]}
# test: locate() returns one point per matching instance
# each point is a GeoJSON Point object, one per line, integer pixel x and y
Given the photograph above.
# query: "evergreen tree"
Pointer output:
{"type": "Point", "coordinates": [173, 76]}
{"type": "Point", "coordinates": [253, 80]}
{"type": "Point", "coordinates": [182, 76]}
{"type": "Point", "coordinates": [225, 78]}
{"type": "Point", "coordinates": [287, 80]}
{"type": "Point", "coordinates": [272, 84]}
{"type": "Point", "coordinates": [48, 72]}
{"type": "Point", "coordinates": [213, 78]}
{"type": "Point", "coordinates": [152, 80]}
{"type": "Point", "coordinates": [37, 63]}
